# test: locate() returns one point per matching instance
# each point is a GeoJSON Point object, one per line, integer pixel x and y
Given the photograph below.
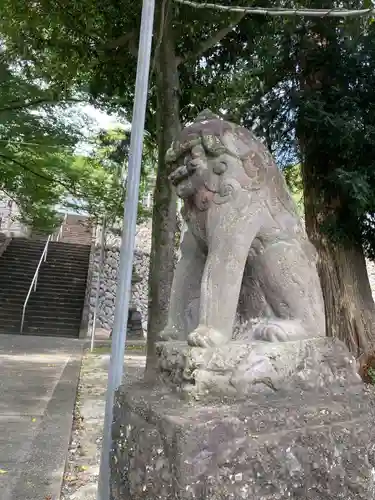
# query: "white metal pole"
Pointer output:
{"type": "Point", "coordinates": [101, 262]}
{"type": "Point", "coordinates": [128, 235]}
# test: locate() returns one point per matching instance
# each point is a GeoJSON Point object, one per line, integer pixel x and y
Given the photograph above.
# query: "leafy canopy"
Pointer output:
{"type": "Point", "coordinates": [307, 87]}
{"type": "Point", "coordinates": [36, 143]}
{"type": "Point", "coordinates": [101, 176]}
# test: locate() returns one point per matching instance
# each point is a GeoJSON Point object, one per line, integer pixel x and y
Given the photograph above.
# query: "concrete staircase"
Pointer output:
{"type": "Point", "coordinates": [55, 308]}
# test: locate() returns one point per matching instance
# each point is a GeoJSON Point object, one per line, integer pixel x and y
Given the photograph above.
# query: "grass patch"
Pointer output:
{"type": "Point", "coordinates": [133, 347]}
{"type": "Point", "coordinates": [105, 349]}
{"type": "Point", "coordinates": [129, 348]}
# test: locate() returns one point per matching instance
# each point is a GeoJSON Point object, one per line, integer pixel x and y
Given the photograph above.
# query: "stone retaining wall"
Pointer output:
{"type": "Point", "coordinates": [108, 282]}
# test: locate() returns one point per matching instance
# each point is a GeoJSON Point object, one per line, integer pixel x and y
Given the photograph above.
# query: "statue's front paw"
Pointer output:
{"type": "Point", "coordinates": [279, 331]}
{"type": "Point", "coordinates": [203, 336]}
{"type": "Point", "coordinates": [270, 332]}
{"type": "Point", "coordinates": [169, 333]}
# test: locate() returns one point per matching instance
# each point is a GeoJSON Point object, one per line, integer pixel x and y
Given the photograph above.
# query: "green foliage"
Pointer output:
{"type": "Point", "coordinates": [371, 374]}
{"type": "Point", "coordinates": [307, 87]}
{"type": "Point", "coordinates": [293, 178]}
{"type": "Point", "coordinates": [95, 53]}
{"type": "Point", "coordinates": [101, 176]}
{"type": "Point", "coordinates": [93, 49]}
{"type": "Point", "coordinates": [35, 147]}
{"type": "Point", "coordinates": [39, 168]}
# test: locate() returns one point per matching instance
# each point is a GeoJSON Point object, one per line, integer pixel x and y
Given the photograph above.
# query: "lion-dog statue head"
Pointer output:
{"type": "Point", "coordinates": [213, 159]}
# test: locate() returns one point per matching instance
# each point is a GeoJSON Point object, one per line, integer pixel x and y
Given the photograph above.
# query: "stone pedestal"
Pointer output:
{"type": "Point", "coordinates": [306, 442]}
{"type": "Point", "coordinates": [238, 368]}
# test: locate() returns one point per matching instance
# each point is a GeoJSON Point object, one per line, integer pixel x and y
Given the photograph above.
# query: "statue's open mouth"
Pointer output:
{"type": "Point", "coordinates": [182, 173]}
{"type": "Point", "coordinates": [185, 188]}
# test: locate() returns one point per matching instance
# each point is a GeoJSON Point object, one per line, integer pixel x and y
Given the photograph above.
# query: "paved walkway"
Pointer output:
{"type": "Point", "coordinates": [38, 383]}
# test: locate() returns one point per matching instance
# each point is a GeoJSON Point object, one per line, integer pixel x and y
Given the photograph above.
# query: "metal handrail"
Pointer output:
{"type": "Point", "coordinates": [43, 258]}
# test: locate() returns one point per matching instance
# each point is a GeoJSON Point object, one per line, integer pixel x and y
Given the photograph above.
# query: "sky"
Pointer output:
{"type": "Point", "coordinates": [99, 120]}
{"type": "Point", "coordinates": [102, 119]}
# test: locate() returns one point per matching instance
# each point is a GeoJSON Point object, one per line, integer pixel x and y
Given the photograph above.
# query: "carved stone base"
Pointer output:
{"type": "Point", "coordinates": [238, 368]}
{"type": "Point", "coordinates": [295, 445]}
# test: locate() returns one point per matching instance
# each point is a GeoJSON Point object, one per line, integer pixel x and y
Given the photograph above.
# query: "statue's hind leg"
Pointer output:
{"type": "Point", "coordinates": [288, 276]}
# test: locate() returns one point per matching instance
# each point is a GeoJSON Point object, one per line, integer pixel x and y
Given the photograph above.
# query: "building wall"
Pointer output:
{"type": "Point", "coordinates": [8, 214]}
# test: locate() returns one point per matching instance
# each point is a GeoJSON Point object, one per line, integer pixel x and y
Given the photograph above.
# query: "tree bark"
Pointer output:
{"type": "Point", "coordinates": [164, 219]}
{"type": "Point", "coordinates": [349, 306]}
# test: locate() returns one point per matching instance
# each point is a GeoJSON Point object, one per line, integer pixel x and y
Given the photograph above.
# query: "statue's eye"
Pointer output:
{"type": "Point", "coordinates": [197, 151]}
{"type": "Point", "coordinates": [220, 167]}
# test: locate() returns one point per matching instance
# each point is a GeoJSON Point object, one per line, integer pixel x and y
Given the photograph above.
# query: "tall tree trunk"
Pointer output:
{"type": "Point", "coordinates": [349, 306]}
{"type": "Point", "coordinates": [164, 219]}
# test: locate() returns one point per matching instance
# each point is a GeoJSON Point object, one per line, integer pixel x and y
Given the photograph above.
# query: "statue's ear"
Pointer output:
{"type": "Point", "coordinates": [212, 145]}
{"type": "Point", "coordinates": [206, 114]}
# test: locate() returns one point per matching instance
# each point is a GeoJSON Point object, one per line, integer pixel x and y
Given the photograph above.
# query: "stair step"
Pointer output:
{"type": "Point", "coordinates": [58, 284]}
{"type": "Point", "coordinates": [37, 315]}
{"type": "Point", "coordinates": [55, 307]}
{"type": "Point", "coordinates": [52, 250]}
{"type": "Point", "coordinates": [61, 244]}
{"type": "Point", "coordinates": [10, 308]}
{"type": "Point", "coordinates": [8, 325]}
{"type": "Point", "coordinates": [11, 275]}
{"type": "Point", "coordinates": [60, 332]}
{"type": "Point", "coordinates": [19, 277]}
{"type": "Point", "coordinates": [44, 295]}
{"type": "Point", "coordinates": [51, 325]}
{"type": "Point", "coordinates": [25, 262]}
{"type": "Point", "coordinates": [65, 301]}
{"type": "Point", "coordinates": [26, 243]}
{"type": "Point", "coordinates": [18, 270]}
{"type": "Point", "coordinates": [67, 274]}
{"type": "Point", "coordinates": [19, 259]}
{"type": "Point", "coordinates": [48, 314]}
{"type": "Point", "coordinates": [10, 330]}
{"type": "Point", "coordinates": [6, 301]}
{"type": "Point", "coordinates": [67, 256]}
{"type": "Point", "coordinates": [11, 252]}
{"type": "Point", "coordinates": [12, 283]}
{"type": "Point", "coordinates": [73, 266]}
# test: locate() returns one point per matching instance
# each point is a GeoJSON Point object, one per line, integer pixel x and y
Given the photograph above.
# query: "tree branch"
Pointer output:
{"type": "Point", "coordinates": [122, 41]}
{"type": "Point", "coordinates": [211, 42]}
{"type": "Point", "coordinates": [274, 11]}
{"type": "Point", "coordinates": [70, 189]}
{"type": "Point", "coordinates": [118, 42]}
{"type": "Point", "coordinates": [159, 38]}
{"type": "Point", "coordinates": [12, 106]}
{"type": "Point", "coordinates": [9, 195]}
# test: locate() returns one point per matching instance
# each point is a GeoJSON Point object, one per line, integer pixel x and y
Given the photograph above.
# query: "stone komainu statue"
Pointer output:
{"type": "Point", "coordinates": [244, 253]}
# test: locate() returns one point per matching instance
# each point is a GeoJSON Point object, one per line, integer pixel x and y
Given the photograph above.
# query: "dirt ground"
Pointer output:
{"type": "Point", "coordinates": [82, 469]}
